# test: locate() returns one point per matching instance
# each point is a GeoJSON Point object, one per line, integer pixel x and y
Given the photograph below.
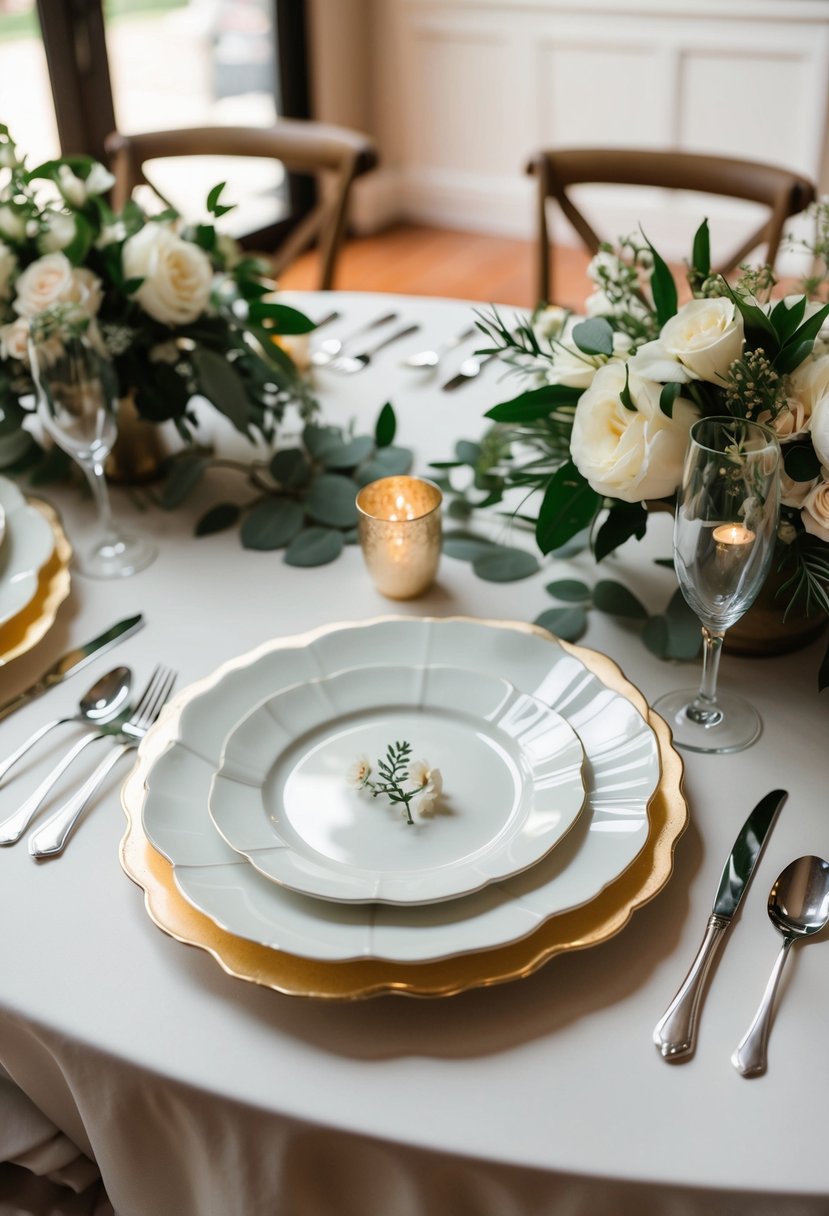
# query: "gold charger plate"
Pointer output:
{"type": "Point", "coordinates": [27, 628]}
{"type": "Point", "coordinates": [588, 925]}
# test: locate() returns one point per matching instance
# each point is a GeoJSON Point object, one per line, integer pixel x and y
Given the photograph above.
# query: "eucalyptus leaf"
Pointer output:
{"type": "Point", "coordinates": [314, 547]}
{"type": "Point", "coordinates": [468, 452]}
{"type": "Point", "coordinates": [571, 590]}
{"type": "Point", "coordinates": [272, 524]}
{"type": "Point", "coordinates": [224, 515]}
{"type": "Point", "coordinates": [655, 636]}
{"type": "Point", "coordinates": [503, 564]}
{"type": "Point", "coordinates": [386, 426]}
{"type": "Point", "coordinates": [184, 476]}
{"type": "Point", "coordinates": [386, 462]}
{"type": "Point", "coordinates": [290, 468]}
{"type": "Point", "coordinates": [330, 500]}
{"type": "Point", "coordinates": [617, 600]}
{"type": "Point", "coordinates": [566, 623]}
{"type": "Point", "coordinates": [594, 336]}
{"type": "Point", "coordinates": [465, 546]}
{"type": "Point", "coordinates": [568, 506]}
{"type": "Point", "coordinates": [348, 453]}
{"type": "Point", "coordinates": [320, 440]}
{"type": "Point", "coordinates": [684, 632]}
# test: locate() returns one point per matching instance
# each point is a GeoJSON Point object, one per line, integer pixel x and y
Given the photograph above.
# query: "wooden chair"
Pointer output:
{"type": "Point", "coordinates": [333, 155]}
{"type": "Point", "coordinates": [782, 191]}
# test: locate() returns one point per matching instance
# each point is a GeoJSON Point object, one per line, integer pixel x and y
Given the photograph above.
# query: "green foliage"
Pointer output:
{"type": "Point", "coordinates": [302, 498]}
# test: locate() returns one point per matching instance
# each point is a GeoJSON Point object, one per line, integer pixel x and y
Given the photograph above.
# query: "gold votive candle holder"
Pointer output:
{"type": "Point", "coordinates": [400, 532]}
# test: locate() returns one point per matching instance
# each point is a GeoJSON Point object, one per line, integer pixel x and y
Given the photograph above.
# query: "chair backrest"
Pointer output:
{"type": "Point", "coordinates": [334, 155]}
{"type": "Point", "coordinates": [783, 192]}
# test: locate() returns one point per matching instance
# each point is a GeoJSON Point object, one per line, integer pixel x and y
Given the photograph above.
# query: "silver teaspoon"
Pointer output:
{"type": "Point", "coordinates": [798, 907]}
{"type": "Point", "coordinates": [103, 701]}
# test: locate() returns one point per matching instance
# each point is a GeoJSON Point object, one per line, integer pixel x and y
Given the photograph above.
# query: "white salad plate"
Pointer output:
{"type": "Point", "coordinates": [621, 773]}
{"type": "Point", "coordinates": [27, 546]}
{"type": "Point", "coordinates": [512, 784]}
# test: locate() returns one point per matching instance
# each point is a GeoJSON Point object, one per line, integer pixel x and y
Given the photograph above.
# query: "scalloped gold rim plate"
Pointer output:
{"type": "Point", "coordinates": [30, 625]}
{"type": "Point", "coordinates": [578, 929]}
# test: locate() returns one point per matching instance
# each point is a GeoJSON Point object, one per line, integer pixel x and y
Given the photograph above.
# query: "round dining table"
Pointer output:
{"type": "Point", "coordinates": [132, 1055]}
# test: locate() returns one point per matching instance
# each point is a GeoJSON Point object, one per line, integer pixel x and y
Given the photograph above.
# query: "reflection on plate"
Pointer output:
{"type": "Point", "coordinates": [583, 927]}
{"type": "Point", "coordinates": [27, 547]}
{"type": "Point", "coordinates": [29, 626]}
{"type": "Point", "coordinates": [511, 769]}
{"type": "Point", "coordinates": [621, 772]}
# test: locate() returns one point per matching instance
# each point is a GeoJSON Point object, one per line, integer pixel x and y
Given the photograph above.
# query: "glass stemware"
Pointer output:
{"type": "Point", "coordinates": [77, 397]}
{"type": "Point", "coordinates": [724, 534]}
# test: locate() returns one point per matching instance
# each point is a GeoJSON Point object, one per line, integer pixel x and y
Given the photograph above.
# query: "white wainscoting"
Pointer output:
{"type": "Point", "coordinates": [461, 92]}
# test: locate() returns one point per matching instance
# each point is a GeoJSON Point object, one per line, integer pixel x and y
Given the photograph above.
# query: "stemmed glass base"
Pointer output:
{"type": "Point", "coordinates": [115, 557]}
{"type": "Point", "coordinates": [728, 724]}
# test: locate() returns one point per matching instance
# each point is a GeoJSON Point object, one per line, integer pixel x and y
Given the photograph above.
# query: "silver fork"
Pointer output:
{"type": "Point", "coordinates": [50, 839]}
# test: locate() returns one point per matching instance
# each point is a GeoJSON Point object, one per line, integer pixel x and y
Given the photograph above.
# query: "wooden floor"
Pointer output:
{"type": "Point", "coordinates": [414, 260]}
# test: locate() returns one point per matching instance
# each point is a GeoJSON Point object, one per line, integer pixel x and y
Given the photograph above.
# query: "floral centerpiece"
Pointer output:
{"type": "Point", "coordinates": [602, 428]}
{"type": "Point", "coordinates": [178, 308]}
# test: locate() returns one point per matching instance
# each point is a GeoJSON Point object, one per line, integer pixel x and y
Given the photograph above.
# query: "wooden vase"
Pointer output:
{"type": "Point", "coordinates": [763, 629]}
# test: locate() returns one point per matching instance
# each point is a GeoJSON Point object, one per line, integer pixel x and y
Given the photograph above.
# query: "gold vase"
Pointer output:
{"type": "Point", "coordinates": [140, 450]}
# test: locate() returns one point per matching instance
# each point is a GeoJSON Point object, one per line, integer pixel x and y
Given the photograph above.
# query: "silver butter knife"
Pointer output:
{"type": "Point", "coordinates": [72, 661]}
{"type": "Point", "coordinates": [675, 1033]}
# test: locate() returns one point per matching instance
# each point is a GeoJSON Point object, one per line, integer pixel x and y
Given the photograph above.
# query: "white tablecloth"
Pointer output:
{"type": "Point", "coordinates": [197, 1094]}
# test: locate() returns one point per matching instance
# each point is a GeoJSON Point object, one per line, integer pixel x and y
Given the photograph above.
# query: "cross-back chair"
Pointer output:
{"type": "Point", "coordinates": [783, 192]}
{"type": "Point", "coordinates": [334, 155]}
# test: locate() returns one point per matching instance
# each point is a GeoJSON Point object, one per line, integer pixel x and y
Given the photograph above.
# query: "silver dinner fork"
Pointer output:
{"type": "Point", "coordinates": [49, 839]}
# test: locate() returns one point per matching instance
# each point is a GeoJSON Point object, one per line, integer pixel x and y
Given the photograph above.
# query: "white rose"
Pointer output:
{"type": "Point", "coordinates": [14, 340]}
{"type": "Point", "coordinates": [8, 265]}
{"type": "Point", "coordinates": [705, 336]}
{"type": "Point", "coordinates": [819, 429]}
{"type": "Point", "coordinates": [99, 180]}
{"type": "Point", "coordinates": [815, 513]}
{"type": "Point", "coordinates": [12, 223]}
{"type": "Point", "coordinates": [60, 232]}
{"type": "Point", "coordinates": [42, 284]}
{"type": "Point", "coordinates": [629, 454]}
{"type": "Point", "coordinates": [71, 186]}
{"type": "Point", "coordinates": [53, 280]}
{"type": "Point", "coordinates": [653, 361]}
{"type": "Point", "coordinates": [177, 274]}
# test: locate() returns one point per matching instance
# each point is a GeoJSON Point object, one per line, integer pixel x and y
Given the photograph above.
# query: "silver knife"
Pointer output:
{"type": "Point", "coordinates": [675, 1033]}
{"type": "Point", "coordinates": [468, 370]}
{"type": "Point", "coordinates": [73, 661]}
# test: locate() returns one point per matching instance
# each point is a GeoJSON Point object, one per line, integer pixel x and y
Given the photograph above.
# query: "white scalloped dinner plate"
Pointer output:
{"type": "Point", "coordinates": [27, 545]}
{"type": "Point", "coordinates": [622, 770]}
{"type": "Point", "coordinates": [510, 765]}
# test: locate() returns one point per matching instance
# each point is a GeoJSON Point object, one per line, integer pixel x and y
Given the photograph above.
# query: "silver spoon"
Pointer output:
{"type": "Point", "coordinates": [104, 700]}
{"type": "Point", "coordinates": [331, 347]}
{"type": "Point", "coordinates": [798, 907]}
{"type": "Point", "coordinates": [355, 363]}
{"type": "Point", "coordinates": [431, 358]}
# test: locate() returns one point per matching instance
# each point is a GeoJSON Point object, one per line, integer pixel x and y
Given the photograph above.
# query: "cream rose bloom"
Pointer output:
{"type": "Point", "coordinates": [629, 454]}
{"type": "Point", "coordinates": [54, 280]}
{"type": "Point", "coordinates": [14, 340]}
{"type": "Point", "coordinates": [705, 337]}
{"type": "Point", "coordinates": [177, 274]}
{"type": "Point", "coordinates": [793, 493]}
{"type": "Point", "coordinates": [58, 233]}
{"type": "Point", "coordinates": [815, 513]}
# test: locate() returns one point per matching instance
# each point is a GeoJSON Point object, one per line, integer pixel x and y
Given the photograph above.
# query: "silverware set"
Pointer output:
{"type": "Point", "coordinates": [798, 907]}
{"type": "Point", "coordinates": [354, 351]}
{"type": "Point", "coordinates": [104, 707]}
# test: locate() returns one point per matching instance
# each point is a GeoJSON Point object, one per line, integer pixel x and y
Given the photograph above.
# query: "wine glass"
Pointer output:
{"type": "Point", "coordinates": [77, 396]}
{"type": "Point", "coordinates": [724, 534]}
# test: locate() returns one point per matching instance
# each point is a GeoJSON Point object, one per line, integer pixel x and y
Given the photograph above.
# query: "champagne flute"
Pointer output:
{"type": "Point", "coordinates": [77, 395]}
{"type": "Point", "coordinates": [724, 534]}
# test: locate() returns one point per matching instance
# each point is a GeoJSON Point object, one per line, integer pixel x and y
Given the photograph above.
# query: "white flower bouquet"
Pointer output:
{"type": "Point", "coordinates": [179, 310]}
{"type": "Point", "coordinates": [601, 431]}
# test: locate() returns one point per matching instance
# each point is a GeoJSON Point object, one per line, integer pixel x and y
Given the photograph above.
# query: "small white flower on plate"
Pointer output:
{"type": "Point", "coordinates": [430, 782]}
{"type": "Point", "coordinates": [358, 772]}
